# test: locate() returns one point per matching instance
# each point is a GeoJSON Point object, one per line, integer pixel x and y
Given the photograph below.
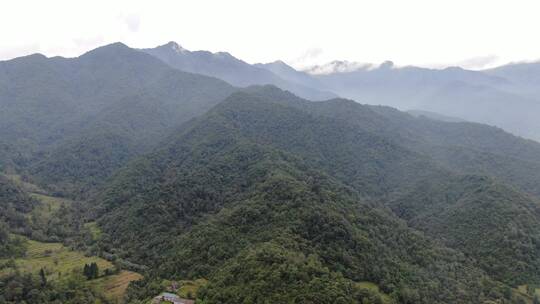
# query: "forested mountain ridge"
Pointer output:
{"type": "Point", "coordinates": [261, 169]}
{"type": "Point", "coordinates": [72, 122]}
{"type": "Point", "coordinates": [463, 147]}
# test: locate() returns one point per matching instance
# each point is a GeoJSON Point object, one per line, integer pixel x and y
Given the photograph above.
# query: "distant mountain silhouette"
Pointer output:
{"type": "Point", "coordinates": [235, 71]}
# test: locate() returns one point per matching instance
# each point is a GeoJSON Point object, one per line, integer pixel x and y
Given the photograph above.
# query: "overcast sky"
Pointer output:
{"type": "Point", "coordinates": [469, 33]}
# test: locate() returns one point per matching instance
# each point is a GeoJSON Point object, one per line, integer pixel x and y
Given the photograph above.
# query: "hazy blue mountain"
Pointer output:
{"type": "Point", "coordinates": [524, 77]}
{"type": "Point", "coordinates": [399, 87]}
{"type": "Point", "coordinates": [235, 71]}
{"type": "Point", "coordinates": [479, 96]}
{"type": "Point", "coordinates": [288, 73]}
{"type": "Point", "coordinates": [485, 104]}
{"type": "Point", "coordinates": [499, 97]}
{"type": "Point", "coordinates": [435, 116]}
{"type": "Point", "coordinates": [521, 73]}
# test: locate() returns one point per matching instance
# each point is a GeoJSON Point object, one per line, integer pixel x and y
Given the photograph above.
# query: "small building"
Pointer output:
{"type": "Point", "coordinates": [171, 298]}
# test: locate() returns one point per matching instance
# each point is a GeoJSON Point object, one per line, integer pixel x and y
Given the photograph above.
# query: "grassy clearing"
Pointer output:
{"type": "Point", "coordinates": [25, 185]}
{"type": "Point", "coordinates": [375, 288]}
{"type": "Point", "coordinates": [114, 286]}
{"type": "Point", "coordinates": [522, 289]}
{"type": "Point", "coordinates": [55, 259]}
{"type": "Point", "coordinates": [58, 260]}
{"type": "Point", "coordinates": [189, 289]}
{"type": "Point", "coordinates": [49, 205]}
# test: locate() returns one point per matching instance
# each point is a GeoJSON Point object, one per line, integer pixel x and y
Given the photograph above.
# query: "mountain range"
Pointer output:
{"type": "Point", "coordinates": [507, 97]}
{"type": "Point", "coordinates": [261, 181]}
{"type": "Point", "coordinates": [224, 66]}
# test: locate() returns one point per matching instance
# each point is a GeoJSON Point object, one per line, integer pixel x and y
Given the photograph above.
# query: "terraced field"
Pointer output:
{"type": "Point", "coordinates": [523, 290]}
{"type": "Point", "coordinates": [55, 259]}
{"type": "Point", "coordinates": [114, 287]}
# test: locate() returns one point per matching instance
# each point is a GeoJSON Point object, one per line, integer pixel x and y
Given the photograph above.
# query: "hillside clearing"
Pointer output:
{"type": "Point", "coordinates": [55, 259]}
{"type": "Point", "coordinates": [375, 288]}
{"type": "Point", "coordinates": [58, 260]}
{"type": "Point", "coordinates": [114, 287]}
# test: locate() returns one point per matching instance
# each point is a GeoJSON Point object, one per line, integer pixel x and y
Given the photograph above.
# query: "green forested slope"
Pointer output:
{"type": "Point", "coordinates": [71, 122]}
{"type": "Point", "coordinates": [15, 203]}
{"type": "Point", "coordinates": [459, 146]}
{"type": "Point", "coordinates": [494, 224]}
{"type": "Point", "coordinates": [125, 129]}
{"type": "Point", "coordinates": [254, 173]}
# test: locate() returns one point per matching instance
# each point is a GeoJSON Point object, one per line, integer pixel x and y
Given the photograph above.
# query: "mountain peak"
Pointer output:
{"type": "Point", "coordinates": [108, 49]}
{"type": "Point", "coordinates": [276, 65]}
{"type": "Point", "coordinates": [279, 62]}
{"type": "Point", "coordinates": [175, 47]}
{"type": "Point", "coordinates": [114, 45]}
{"type": "Point", "coordinates": [35, 57]}
{"type": "Point", "coordinates": [282, 65]}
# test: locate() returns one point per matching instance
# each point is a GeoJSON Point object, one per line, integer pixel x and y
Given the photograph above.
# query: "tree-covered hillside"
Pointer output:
{"type": "Point", "coordinates": [15, 203]}
{"type": "Point", "coordinates": [72, 122]}
{"type": "Point", "coordinates": [260, 172]}
{"type": "Point", "coordinates": [490, 222]}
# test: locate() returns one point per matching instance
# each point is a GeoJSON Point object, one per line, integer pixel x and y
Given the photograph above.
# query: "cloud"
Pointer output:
{"type": "Point", "coordinates": [307, 58]}
{"type": "Point", "coordinates": [133, 22]}
{"type": "Point", "coordinates": [479, 62]}
{"type": "Point", "coordinates": [342, 66]}
{"type": "Point", "coordinates": [312, 53]}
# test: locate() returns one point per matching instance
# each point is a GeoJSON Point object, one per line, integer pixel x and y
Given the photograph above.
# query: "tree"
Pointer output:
{"type": "Point", "coordinates": [536, 299]}
{"type": "Point", "coordinates": [91, 271]}
{"type": "Point", "coordinates": [94, 270]}
{"type": "Point", "coordinates": [86, 271]}
{"type": "Point", "coordinates": [508, 293]}
{"type": "Point", "coordinates": [43, 277]}
{"type": "Point", "coordinates": [4, 236]}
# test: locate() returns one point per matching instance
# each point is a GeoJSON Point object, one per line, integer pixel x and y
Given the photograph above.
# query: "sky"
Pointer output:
{"type": "Point", "coordinates": [474, 34]}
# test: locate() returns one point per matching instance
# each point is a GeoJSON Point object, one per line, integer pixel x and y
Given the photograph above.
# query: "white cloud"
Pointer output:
{"type": "Point", "coordinates": [133, 22]}
{"type": "Point", "coordinates": [479, 62]}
